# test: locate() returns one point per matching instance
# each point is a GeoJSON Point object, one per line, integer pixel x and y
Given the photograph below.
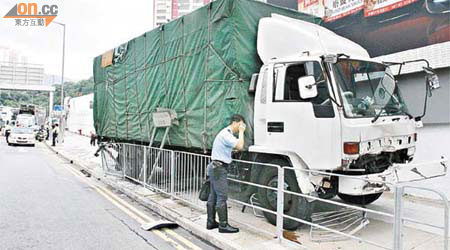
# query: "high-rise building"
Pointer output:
{"type": "Point", "coordinates": [15, 69]}
{"type": "Point", "coordinates": [162, 12]}
{"type": "Point", "coordinates": [183, 7]}
{"type": "Point", "coordinates": [166, 10]}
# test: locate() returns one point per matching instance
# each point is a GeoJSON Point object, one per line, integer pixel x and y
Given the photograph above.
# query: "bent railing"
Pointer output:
{"type": "Point", "coordinates": [180, 175]}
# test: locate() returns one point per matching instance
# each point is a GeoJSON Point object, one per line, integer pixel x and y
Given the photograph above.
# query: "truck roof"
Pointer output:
{"type": "Point", "coordinates": [303, 37]}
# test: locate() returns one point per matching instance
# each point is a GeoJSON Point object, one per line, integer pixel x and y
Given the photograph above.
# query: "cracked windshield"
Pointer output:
{"type": "Point", "coordinates": [368, 88]}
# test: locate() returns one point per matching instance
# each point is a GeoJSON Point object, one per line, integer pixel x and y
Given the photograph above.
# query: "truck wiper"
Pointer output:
{"type": "Point", "coordinates": [385, 109]}
{"type": "Point", "coordinates": [378, 114]}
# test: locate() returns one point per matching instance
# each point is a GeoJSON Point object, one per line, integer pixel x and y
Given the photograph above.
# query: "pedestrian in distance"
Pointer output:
{"type": "Point", "coordinates": [93, 138]}
{"type": "Point", "coordinates": [48, 133]}
{"type": "Point", "coordinates": [7, 131]}
{"type": "Point", "coordinates": [54, 134]}
{"type": "Point", "coordinates": [217, 172]}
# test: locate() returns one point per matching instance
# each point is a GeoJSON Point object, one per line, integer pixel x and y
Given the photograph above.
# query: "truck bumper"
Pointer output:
{"type": "Point", "coordinates": [396, 174]}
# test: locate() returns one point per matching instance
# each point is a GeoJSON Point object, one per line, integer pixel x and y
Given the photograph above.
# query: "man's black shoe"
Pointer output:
{"type": "Point", "coordinates": [225, 228]}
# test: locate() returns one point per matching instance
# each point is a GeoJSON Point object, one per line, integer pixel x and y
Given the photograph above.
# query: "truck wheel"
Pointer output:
{"type": "Point", "coordinates": [246, 191]}
{"type": "Point", "coordinates": [360, 199]}
{"type": "Point", "coordinates": [294, 206]}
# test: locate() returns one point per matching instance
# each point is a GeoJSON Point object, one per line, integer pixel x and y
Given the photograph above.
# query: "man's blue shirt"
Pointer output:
{"type": "Point", "coordinates": [223, 145]}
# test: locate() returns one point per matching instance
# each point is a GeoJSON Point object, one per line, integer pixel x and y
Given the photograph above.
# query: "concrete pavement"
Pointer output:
{"type": "Point", "coordinates": [46, 204]}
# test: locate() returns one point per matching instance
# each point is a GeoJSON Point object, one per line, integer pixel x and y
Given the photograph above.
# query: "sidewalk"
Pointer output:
{"type": "Point", "coordinates": [256, 233]}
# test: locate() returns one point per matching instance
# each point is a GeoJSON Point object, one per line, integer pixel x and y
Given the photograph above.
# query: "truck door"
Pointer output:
{"type": "Point", "coordinates": [308, 127]}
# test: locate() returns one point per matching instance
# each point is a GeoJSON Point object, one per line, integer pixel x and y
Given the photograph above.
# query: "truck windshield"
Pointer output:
{"type": "Point", "coordinates": [368, 88]}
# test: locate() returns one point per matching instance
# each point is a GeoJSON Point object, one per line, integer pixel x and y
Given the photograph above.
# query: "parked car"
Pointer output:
{"type": "Point", "coordinates": [22, 136]}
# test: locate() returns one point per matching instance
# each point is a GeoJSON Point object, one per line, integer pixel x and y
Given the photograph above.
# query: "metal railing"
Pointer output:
{"type": "Point", "coordinates": [180, 175]}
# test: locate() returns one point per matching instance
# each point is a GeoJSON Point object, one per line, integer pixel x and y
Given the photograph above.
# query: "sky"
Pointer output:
{"type": "Point", "coordinates": [92, 27]}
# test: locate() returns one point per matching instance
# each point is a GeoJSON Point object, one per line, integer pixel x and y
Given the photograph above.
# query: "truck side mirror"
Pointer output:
{"type": "Point", "coordinates": [431, 78]}
{"type": "Point", "coordinates": [252, 86]}
{"type": "Point", "coordinates": [307, 87]}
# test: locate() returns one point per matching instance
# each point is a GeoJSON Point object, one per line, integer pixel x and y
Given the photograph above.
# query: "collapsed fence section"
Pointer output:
{"type": "Point", "coordinates": [276, 194]}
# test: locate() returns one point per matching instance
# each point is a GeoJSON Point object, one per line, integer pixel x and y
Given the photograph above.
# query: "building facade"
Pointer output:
{"type": "Point", "coordinates": [166, 10]}
{"type": "Point", "coordinates": [15, 69]}
{"type": "Point", "coordinates": [21, 73]}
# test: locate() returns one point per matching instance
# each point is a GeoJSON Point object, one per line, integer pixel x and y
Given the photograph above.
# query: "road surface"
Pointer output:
{"type": "Point", "coordinates": [48, 204]}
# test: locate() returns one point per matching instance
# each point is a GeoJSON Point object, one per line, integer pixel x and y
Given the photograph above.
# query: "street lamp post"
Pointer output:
{"type": "Point", "coordinates": [63, 57]}
{"type": "Point", "coordinates": [61, 128]}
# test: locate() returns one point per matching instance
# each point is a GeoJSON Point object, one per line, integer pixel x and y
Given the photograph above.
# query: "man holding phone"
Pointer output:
{"type": "Point", "coordinates": [223, 145]}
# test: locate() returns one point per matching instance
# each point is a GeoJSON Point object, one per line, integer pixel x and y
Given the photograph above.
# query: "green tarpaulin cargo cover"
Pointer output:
{"type": "Point", "coordinates": [199, 65]}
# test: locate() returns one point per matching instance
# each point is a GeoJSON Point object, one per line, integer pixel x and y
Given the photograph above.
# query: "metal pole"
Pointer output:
{"type": "Point", "coordinates": [50, 107]}
{"type": "Point", "coordinates": [446, 224]}
{"type": "Point", "coordinates": [172, 174]}
{"type": "Point", "coordinates": [145, 166]}
{"type": "Point", "coordinates": [280, 204]}
{"type": "Point", "coordinates": [398, 220]}
{"type": "Point", "coordinates": [63, 59]}
{"type": "Point", "coordinates": [123, 160]}
{"type": "Point", "coordinates": [61, 122]}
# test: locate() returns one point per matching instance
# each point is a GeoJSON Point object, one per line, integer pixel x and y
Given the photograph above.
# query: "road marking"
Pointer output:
{"type": "Point", "coordinates": [135, 213]}
{"type": "Point", "coordinates": [142, 215]}
{"type": "Point", "coordinates": [137, 218]}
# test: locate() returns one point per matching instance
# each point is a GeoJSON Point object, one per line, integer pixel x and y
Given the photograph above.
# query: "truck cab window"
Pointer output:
{"type": "Point", "coordinates": [295, 71]}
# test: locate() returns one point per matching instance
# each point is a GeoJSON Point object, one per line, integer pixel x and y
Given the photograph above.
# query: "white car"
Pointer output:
{"type": "Point", "coordinates": [22, 136]}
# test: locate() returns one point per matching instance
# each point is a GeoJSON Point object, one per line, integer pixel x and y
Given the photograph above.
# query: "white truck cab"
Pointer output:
{"type": "Point", "coordinates": [325, 105]}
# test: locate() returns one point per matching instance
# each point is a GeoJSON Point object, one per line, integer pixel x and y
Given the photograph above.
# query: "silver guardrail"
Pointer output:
{"type": "Point", "coordinates": [180, 175]}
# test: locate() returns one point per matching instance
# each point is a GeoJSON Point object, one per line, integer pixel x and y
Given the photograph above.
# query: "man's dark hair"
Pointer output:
{"type": "Point", "coordinates": [236, 118]}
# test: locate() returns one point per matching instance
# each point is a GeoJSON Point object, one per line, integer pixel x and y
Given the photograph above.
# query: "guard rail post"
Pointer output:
{"type": "Point", "coordinates": [124, 155]}
{"type": "Point", "coordinates": [280, 203]}
{"type": "Point", "coordinates": [398, 220]}
{"type": "Point", "coordinates": [145, 166]}
{"type": "Point", "coordinates": [172, 174]}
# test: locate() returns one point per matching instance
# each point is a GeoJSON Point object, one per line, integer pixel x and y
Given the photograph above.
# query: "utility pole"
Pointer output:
{"type": "Point", "coordinates": [63, 57]}
{"type": "Point", "coordinates": [62, 118]}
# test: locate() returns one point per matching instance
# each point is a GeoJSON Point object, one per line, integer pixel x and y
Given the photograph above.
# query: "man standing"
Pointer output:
{"type": "Point", "coordinates": [223, 145]}
{"type": "Point", "coordinates": [7, 131]}
{"type": "Point", "coordinates": [48, 132]}
{"type": "Point", "coordinates": [54, 134]}
{"type": "Point", "coordinates": [93, 137]}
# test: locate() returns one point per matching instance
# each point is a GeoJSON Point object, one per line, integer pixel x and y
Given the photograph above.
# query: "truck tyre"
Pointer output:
{"type": "Point", "coordinates": [246, 191]}
{"type": "Point", "coordinates": [360, 199]}
{"type": "Point", "coordinates": [294, 206]}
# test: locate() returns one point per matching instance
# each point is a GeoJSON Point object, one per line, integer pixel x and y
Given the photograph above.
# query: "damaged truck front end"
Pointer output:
{"type": "Point", "coordinates": [378, 132]}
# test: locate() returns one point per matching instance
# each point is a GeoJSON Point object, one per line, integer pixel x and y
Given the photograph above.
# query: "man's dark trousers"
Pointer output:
{"type": "Point", "coordinates": [219, 186]}
{"type": "Point", "coordinates": [55, 135]}
{"type": "Point", "coordinates": [217, 200]}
